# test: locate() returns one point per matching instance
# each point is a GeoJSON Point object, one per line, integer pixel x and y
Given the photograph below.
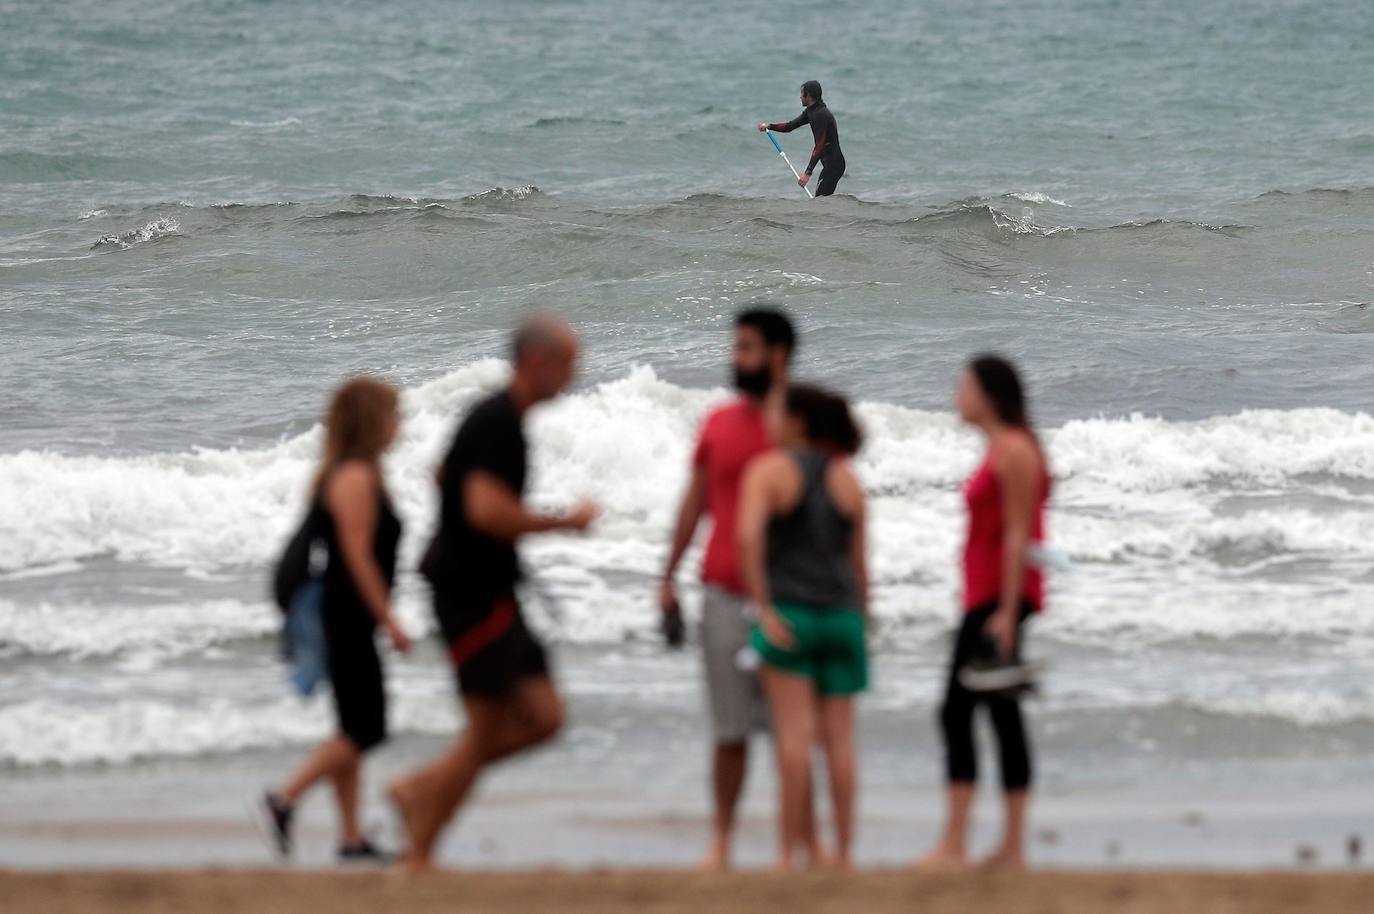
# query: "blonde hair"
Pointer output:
{"type": "Point", "coordinates": [356, 425]}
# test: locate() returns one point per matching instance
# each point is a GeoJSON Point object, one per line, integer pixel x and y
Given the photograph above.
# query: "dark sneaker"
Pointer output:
{"type": "Point", "coordinates": [275, 815]}
{"type": "Point", "coordinates": [364, 851]}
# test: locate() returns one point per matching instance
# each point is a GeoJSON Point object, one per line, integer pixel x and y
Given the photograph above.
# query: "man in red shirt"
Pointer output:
{"type": "Point", "coordinates": [731, 437]}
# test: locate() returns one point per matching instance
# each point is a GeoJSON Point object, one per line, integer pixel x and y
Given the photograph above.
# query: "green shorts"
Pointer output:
{"type": "Point", "coordinates": [830, 648]}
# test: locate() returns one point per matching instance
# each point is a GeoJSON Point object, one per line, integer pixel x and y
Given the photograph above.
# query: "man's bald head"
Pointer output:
{"type": "Point", "coordinates": [544, 351]}
{"type": "Point", "coordinates": [541, 333]}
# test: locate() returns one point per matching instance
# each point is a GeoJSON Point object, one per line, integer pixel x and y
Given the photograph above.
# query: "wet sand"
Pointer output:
{"type": "Point", "coordinates": [648, 891]}
{"type": "Point", "coordinates": [192, 816]}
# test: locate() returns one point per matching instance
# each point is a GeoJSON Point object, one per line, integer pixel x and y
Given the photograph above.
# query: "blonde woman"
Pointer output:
{"type": "Point", "coordinates": [361, 530]}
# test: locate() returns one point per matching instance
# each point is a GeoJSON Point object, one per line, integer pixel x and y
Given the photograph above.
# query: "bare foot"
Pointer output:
{"type": "Point", "coordinates": [410, 867]}
{"type": "Point", "coordinates": [781, 865]}
{"type": "Point", "coordinates": [941, 858]}
{"type": "Point", "coordinates": [841, 864]}
{"type": "Point", "coordinates": [717, 860]}
{"type": "Point", "coordinates": [403, 802]}
{"type": "Point", "coordinates": [1004, 860]}
{"type": "Point", "coordinates": [818, 858]}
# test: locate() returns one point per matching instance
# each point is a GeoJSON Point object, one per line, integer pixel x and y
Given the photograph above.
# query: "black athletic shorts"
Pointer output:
{"type": "Point", "coordinates": [490, 646]}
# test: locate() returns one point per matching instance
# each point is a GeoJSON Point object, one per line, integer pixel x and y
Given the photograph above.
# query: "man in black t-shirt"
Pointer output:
{"type": "Point", "coordinates": [503, 675]}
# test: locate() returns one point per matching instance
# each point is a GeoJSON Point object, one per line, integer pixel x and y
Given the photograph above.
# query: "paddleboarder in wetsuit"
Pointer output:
{"type": "Point", "coordinates": [827, 149]}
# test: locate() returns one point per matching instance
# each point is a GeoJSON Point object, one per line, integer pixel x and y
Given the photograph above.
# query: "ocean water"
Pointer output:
{"type": "Point", "coordinates": [212, 212]}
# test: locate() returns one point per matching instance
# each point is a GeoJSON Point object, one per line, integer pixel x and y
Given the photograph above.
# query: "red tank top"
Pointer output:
{"type": "Point", "coordinates": [986, 531]}
{"type": "Point", "coordinates": [731, 437]}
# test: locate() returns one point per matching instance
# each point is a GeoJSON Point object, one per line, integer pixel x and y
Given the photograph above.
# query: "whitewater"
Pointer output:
{"type": "Point", "coordinates": [1237, 530]}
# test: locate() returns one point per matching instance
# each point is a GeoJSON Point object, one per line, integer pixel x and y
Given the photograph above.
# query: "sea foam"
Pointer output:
{"type": "Point", "coordinates": [1146, 509]}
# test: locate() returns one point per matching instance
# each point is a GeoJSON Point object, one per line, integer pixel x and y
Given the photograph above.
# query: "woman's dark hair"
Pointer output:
{"type": "Point", "coordinates": [1001, 384]}
{"type": "Point", "coordinates": [826, 417]}
{"type": "Point", "coordinates": [812, 88]}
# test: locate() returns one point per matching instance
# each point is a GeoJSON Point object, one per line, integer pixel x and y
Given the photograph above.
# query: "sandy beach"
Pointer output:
{"type": "Point", "coordinates": [652, 891]}
{"type": "Point", "coordinates": [554, 810]}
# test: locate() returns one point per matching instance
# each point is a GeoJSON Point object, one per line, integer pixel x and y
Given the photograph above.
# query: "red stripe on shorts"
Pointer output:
{"type": "Point", "coordinates": [466, 646]}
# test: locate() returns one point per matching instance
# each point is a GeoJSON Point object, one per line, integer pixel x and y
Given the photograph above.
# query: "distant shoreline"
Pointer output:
{"type": "Point", "coordinates": [649, 891]}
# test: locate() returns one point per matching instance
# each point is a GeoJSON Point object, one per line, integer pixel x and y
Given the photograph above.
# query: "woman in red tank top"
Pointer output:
{"type": "Point", "coordinates": [1006, 498]}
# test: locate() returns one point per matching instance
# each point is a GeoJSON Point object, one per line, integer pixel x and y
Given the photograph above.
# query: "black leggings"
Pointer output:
{"type": "Point", "coordinates": [830, 176]}
{"type": "Point", "coordinates": [956, 716]}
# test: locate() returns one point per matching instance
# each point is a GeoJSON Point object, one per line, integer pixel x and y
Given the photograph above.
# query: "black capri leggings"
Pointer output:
{"type": "Point", "coordinates": [956, 715]}
{"type": "Point", "coordinates": [355, 670]}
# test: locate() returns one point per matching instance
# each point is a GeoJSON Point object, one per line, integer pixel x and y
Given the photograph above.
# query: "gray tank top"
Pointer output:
{"type": "Point", "coordinates": [809, 548]}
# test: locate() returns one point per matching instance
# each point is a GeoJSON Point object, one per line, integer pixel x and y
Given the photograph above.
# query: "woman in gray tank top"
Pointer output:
{"type": "Point", "coordinates": [800, 536]}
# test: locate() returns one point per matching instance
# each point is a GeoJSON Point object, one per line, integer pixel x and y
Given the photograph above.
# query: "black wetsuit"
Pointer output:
{"type": "Point", "coordinates": [827, 148]}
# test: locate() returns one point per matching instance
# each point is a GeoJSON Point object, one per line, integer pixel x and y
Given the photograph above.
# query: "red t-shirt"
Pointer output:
{"type": "Point", "coordinates": [731, 436]}
{"type": "Point", "coordinates": [986, 530]}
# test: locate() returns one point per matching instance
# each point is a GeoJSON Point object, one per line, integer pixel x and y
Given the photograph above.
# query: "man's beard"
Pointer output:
{"type": "Point", "coordinates": [755, 383]}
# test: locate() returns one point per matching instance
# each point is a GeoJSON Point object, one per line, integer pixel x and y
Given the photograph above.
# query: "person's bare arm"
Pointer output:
{"type": "Point", "coordinates": [858, 547]}
{"type": "Point", "coordinates": [758, 494]}
{"type": "Point", "coordinates": [351, 498]}
{"type": "Point", "coordinates": [689, 514]}
{"type": "Point", "coordinates": [1017, 467]}
{"type": "Point", "coordinates": [751, 536]}
{"type": "Point", "coordinates": [859, 558]}
{"type": "Point", "coordinates": [848, 494]}
{"type": "Point", "coordinates": [492, 508]}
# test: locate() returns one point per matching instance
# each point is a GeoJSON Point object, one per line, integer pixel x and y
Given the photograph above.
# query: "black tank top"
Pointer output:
{"type": "Point", "coordinates": [809, 560]}
{"type": "Point", "coordinates": [342, 603]}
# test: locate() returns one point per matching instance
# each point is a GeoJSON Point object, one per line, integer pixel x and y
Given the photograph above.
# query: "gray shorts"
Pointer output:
{"type": "Point", "coordinates": [735, 695]}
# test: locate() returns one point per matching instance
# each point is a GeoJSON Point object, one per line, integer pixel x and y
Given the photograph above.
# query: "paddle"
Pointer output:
{"type": "Point", "coordinates": [788, 161]}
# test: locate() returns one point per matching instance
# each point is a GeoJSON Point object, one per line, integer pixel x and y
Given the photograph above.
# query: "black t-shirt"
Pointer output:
{"type": "Point", "coordinates": [490, 439]}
